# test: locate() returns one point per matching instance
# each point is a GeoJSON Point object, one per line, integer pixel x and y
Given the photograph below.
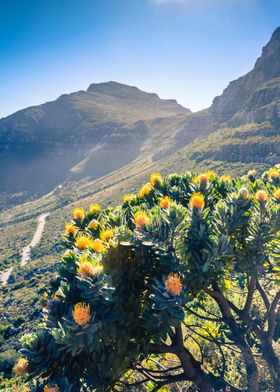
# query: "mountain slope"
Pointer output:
{"type": "Point", "coordinates": [87, 133]}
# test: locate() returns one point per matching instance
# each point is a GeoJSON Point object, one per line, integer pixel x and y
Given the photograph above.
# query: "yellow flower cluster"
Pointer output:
{"type": "Point", "coordinates": [70, 229]}
{"type": "Point", "coordinates": [21, 366]}
{"type": "Point", "coordinates": [173, 284]}
{"type": "Point", "coordinates": [165, 202]}
{"type": "Point", "coordinates": [81, 314]}
{"type": "Point", "coordinates": [49, 388]}
{"type": "Point", "coordinates": [78, 213]}
{"type": "Point", "coordinates": [141, 219]}
{"type": "Point", "coordinates": [210, 175]}
{"type": "Point", "coordinates": [276, 194]}
{"type": "Point", "coordinates": [128, 197]}
{"type": "Point", "coordinates": [97, 246]}
{"type": "Point", "coordinates": [273, 173]}
{"type": "Point", "coordinates": [251, 173]}
{"type": "Point", "coordinates": [197, 201]}
{"type": "Point", "coordinates": [93, 224]}
{"type": "Point", "coordinates": [226, 178]}
{"type": "Point", "coordinates": [156, 178]}
{"type": "Point", "coordinates": [145, 190]}
{"type": "Point", "coordinates": [84, 242]}
{"type": "Point", "coordinates": [203, 178]}
{"type": "Point", "coordinates": [94, 208]}
{"type": "Point", "coordinates": [86, 269]}
{"type": "Point", "coordinates": [261, 196]}
{"type": "Point", "coordinates": [244, 193]}
{"type": "Point", "coordinates": [107, 235]}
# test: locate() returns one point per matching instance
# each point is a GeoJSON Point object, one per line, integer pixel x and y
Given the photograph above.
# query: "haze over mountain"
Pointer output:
{"type": "Point", "coordinates": [92, 133]}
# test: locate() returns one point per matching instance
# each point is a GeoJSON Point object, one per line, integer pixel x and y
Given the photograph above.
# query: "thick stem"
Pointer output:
{"type": "Point", "coordinates": [251, 367]}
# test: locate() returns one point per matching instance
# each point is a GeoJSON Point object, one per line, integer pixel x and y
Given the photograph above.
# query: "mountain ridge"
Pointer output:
{"type": "Point", "coordinates": [94, 132]}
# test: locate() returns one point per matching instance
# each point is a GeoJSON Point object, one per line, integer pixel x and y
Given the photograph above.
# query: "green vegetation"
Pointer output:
{"type": "Point", "coordinates": [177, 285]}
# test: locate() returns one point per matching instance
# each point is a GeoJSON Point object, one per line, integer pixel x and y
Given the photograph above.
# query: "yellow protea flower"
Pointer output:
{"type": "Point", "coordinates": [203, 178]}
{"type": "Point", "coordinates": [195, 180]}
{"type": "Point", "coordinates": [83, 242]}
{"type": "Point", "coordinates": [93, 208]}
{"type": "Point", "coordinates": [106, 235]}
{"type": "Point", "coordinates": [197, 201]}
{"type": "Point", "coordinates": [226, 178]}
{"type": "Point", "coordinates": [156, 178]}
{"type": "Point", "coordinates": [244, 193]}
{"type": "Point", "coordinates": [93, 224]}
{"type": "Point", "coordinates": [70, 229]}
{"type": "Point", "coordinates": [145, 190]}
{"type": "Point", "coordinates": [86, 269]}
{"type": "Point", "coordinates": [141, 219]}
{"type": "Point", "coordinates": [173, 284]}
{"type": "Point", "coordinates": [273, 173]}
{"type": "Point", "coordinates": [81, 314]}
{"type": "Point", "coordinates": [21, 366]}
{"type": "Point", "coordinates": [49, 388]}
{"type": "Point", "coordinates": [276, 194]}
{"type": "Point", "coordinates": [210, 174]}
{"type": "Point", "coordinates": [97, 246]}
{"type": "Point", "coordinates": [129, 197]}
{"type": "Point", "coordinates": [261, 196]}
{"type": "Point", "coordinates": [78, 213]}
{"type": "Point", "coordinates": [251, 173]}
{"type": "Point", "coordinates": [165, 202]}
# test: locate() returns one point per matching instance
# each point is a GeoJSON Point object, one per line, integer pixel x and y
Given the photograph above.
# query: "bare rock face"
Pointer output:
{"type": "Point", "coordinates": [234, 97]}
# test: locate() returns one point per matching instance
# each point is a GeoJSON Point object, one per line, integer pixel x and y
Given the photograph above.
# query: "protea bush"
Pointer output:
{"type": "Point", "coordinates": [179, 285]}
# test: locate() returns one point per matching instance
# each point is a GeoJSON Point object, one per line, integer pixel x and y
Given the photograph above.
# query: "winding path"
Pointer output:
{"type": "Point", "coordinates": [26, 251]}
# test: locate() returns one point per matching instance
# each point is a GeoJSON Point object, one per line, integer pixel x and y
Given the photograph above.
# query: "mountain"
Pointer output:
{"type": "Point", "coordinates": [242, 126]}
{"type": "Point", "coordinates": [87, 133]}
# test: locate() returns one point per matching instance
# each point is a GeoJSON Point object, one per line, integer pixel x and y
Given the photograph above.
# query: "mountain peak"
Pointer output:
{"type": "Point", "coordinates": [267, 67]}
{"type": "Point", "coordinates": [272, 47]}
{"type": "Point", "coordinates": [115, 89]}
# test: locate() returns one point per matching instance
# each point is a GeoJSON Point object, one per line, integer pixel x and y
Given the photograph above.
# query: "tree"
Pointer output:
{"type": "Point", "coordinates": [179, 285]}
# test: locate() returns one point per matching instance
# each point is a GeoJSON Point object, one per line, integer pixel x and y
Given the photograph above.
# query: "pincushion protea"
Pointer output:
{"type": "Point", "coordinates": [70, 229]}
{"type": "Point", "coordinates": [81, 314]}
{"type": "Point", "coordinates": [173, 284]}
{"type": "Point", "coordinates": [165, 202]}
{"type": "Point", "coordinates": [244, 193]}
{"type": "Point", "coordinates": [273, 173]}
{"type": "Point", "coordinates": [106, 235]}
{"type": "Point", "coordinates": [141, 219]}
{"type": "Point", "coordinates": [128, 197]}
{"type": "Point", "coordinates": [156, 178]}
{"type": "Point", "coordinates": [197, 201]}
{"type": "Point", "coordinates": [78, 213]}
{"type": "Point", "coordinates": [261, 196]}
{"type": "Point", "coordinates": [93, 208]}
{"type": "Point", "coordinates": [93, 224]}
{"type": "Point", "coordinates": [21, 366]}
{"type": "Point", "coordinates": [276, 194]}
{"type": "Point", "coordinates": [51, 388]}
{"type": "Point", "coordinates": [145, 190]}
{"type": "Point", "coordinates": [83, 242]}
{"type": "Point", "coordinates": [203, 178]}
{"type": "Point", "coordinates": [86, 269]}
{"type": "Point", "coordinates": [98, 246]}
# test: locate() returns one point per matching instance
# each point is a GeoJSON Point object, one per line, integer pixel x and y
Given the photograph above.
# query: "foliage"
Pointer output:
{"type": "Point", "coordinates": [172, 291]}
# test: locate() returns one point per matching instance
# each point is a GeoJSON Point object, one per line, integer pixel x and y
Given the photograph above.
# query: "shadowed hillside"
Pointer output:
{"type": "Point", "coordinates": [87, 133]}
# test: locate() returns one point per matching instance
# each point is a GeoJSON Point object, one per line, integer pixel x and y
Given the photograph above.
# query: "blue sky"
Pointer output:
{"type": "Point", "coordinates": [183, 49]}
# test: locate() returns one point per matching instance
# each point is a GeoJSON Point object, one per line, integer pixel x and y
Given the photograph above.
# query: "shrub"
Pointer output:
{"type": "Point", "coordinates": [179, 284]}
